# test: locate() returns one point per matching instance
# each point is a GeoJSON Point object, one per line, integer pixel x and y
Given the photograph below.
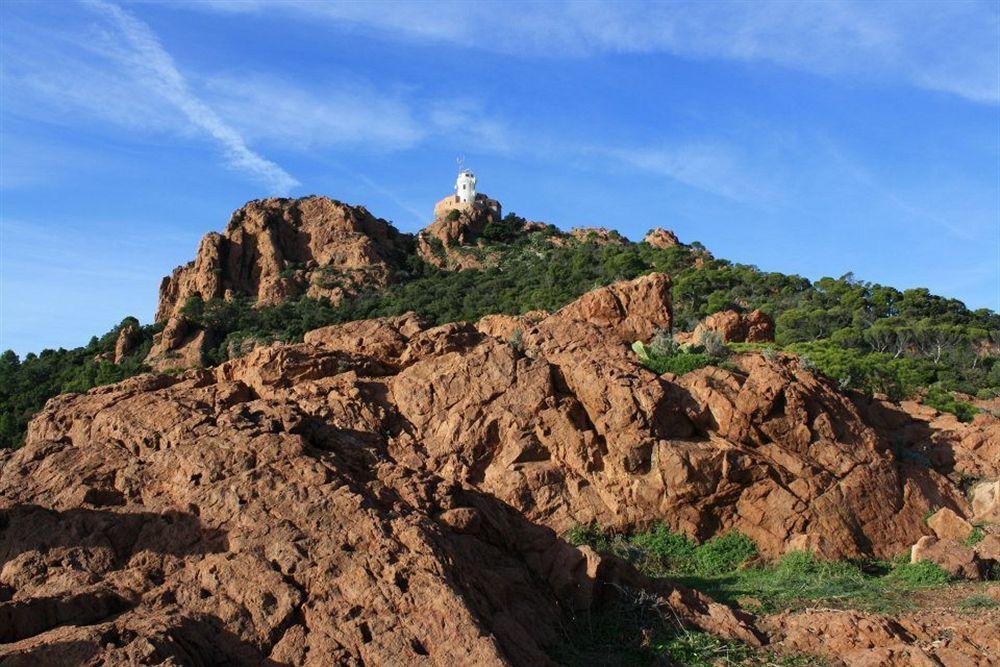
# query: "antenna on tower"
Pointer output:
{"type": "Point", "coordinates": [461, 162]}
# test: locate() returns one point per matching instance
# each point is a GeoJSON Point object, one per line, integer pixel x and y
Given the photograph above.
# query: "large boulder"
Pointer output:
{"type": "Point", "coordinates": [947, 525]}
{"type": "Point", "coordinates": [179, 345]}
{"type": "Point", "coordinates": [988, 548]}
{"type": "Point", "coordinates": [734, 327]}
{"type": "Point", "coordinates": [127, 341]}
{"type": "Point", "coordinates": [986, 501]}
{"type": "Point", "coordinates": [956, 559]}
{"type": "Point", "coordinates": [634, 310]}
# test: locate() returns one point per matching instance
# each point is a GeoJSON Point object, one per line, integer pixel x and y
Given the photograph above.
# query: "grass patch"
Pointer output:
{"type": "Point", "coordinates": [726, 568]}
{"type": "Point", "coordinates": [632, 630]}
{"type": "Point", "coordinates": [922, 574]}
{"type": "Point", "coordinates": [677, 362]}
{"type": "Point", "coordinates": [979, 601]}
{"type": "Point", "coordinates": [975, 537]}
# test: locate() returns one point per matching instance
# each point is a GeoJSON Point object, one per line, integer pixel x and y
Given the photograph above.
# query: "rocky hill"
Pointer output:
{"type": "Point", "coordinates": [456, 448]}
{"type": "Point", "coordinates": [393, 492]}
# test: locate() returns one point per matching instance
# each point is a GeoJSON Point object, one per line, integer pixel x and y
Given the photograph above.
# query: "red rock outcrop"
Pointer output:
{"type": "Point", "coordinates": [389, 492]}
{"type": "Point", "coordinates": [734, 327]}
{"type": "Point", "coordinates": [179, 345]}
{"type": "Point", "coordinates": [274, 249]}
{"type": "Point", "coordinates": [567, 428]}
{"type": "Point", "coordinates": [662, 238]}
{"type": "Point", "coordinates": [634, 310]}
{"type": "Point", "coordinates": [947, 444]}
{"type": "Point", "coordinates": [127, 341]}
{"type": "Point", "coordinates": [450, 241]}
{"type": "Point", "coordinates": [859, 639]}
{"type": "Point", "coordinates": [283, 507]}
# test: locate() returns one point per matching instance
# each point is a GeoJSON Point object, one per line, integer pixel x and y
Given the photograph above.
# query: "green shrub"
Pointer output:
{"type": "Point", "coordinates": [26, 384]}
{"type": "Point", "coordinates": [590, 535]}
{"type": "Point", "coordinates": [724, 553]}
{"type": "Point", "coordinates": [713, 343]}
{"type": "Point", "coordinates": [975, 537]}
{"type": "Point", "coordinates": [663, 344]}
{"type": "Point", "coordinates": [943, 400]}
{"type": "Point", "coordinates": [507, 230]}
{"type": "Point", "coordinates": [919, 575]}
{"type": "Point", "coordinates": [675, 551]}
{"type": "Point", "coordinates": [677, 363]}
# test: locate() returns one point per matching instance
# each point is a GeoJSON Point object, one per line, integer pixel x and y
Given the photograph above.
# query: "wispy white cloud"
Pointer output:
{"type": "Point", "coordinates": [859, 175]}
{"type": "Point", "coordinates": [327, 113]}
{"type": "Point", "coordinates": [713, 168]}
{"type": "Point", "coordinates": [147, 56]}
{"type": "Point", "coordinates": [950, 47]}
{"type": "Point", "coordinates": [122, 75]}
{"type": "Point", "coordinates": [117, 71]}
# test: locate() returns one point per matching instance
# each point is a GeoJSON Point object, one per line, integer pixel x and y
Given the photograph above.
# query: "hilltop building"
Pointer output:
{"type": "Point", "coordinates": [465, 186]}
{"type": "Point", "coordinates": [465, 198]}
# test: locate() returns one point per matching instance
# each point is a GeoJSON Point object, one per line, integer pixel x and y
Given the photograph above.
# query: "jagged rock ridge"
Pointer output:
{"type": "Point", "coordinates": [273, 250]}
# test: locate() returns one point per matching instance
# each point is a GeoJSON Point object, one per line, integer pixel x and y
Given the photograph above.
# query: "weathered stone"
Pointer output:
{"type": "Point", "coordinates": [662, 238]}
{"type": "Point", "coordinates": [988, 548]}
{"type": "Point", "coordinates": [986, 501]}
{"type": "Point", "coordinates": [857, 639]}
{"type": "Point", "coordinates": [956, 559]}
{"type": "Point", "coordinates": [734, 327]}
{"type": "Point", "coordinates": [127, 341]}
{"type": "Point", "coordinates": [949, 526]}
{"type": "Point", "coordinates": [634, 310]}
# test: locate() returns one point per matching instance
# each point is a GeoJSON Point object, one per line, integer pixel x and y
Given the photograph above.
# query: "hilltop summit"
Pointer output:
{"type": "Point", "coordinates": [273, 250]}
{"type": "Point", "coordinates": [276, 249]}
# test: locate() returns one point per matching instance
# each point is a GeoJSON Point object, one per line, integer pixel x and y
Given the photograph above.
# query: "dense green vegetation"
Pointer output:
{"type": "Point", "coordinates": [866, 336]}
{"type": "Point", "coordinates": [729, 569]}
{"type": "Point", "coordinates": [26, 384]}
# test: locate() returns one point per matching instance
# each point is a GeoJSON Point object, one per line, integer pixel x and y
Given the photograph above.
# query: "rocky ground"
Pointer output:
{"type": "Point", "coordinates": [953, 625]}
{"type": "Point", "coordinates": [392, 493]}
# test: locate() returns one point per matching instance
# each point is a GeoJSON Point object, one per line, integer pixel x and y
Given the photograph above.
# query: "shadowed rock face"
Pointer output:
{"type": "Point", "coordinates": [388, 492]}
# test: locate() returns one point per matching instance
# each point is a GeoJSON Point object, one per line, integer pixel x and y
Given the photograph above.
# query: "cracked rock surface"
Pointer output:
{"type": "Point", "coordinates": [391, 493]}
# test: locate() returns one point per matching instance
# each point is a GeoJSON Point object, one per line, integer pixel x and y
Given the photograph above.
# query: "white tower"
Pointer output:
{"type": "Point", "coordinates": [465, 186]}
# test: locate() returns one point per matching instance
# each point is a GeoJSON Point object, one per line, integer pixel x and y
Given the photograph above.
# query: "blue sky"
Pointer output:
{"type": "Point", "coordinates": [813, 138]}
